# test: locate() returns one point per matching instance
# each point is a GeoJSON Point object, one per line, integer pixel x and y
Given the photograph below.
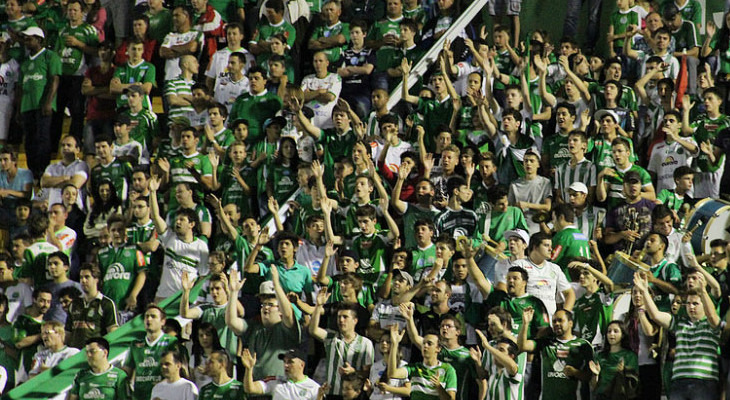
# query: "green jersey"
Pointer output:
{"type": "Point", "coordinates": [671, 199]}
{"type": "Point", "coordinates": [143, 72]}
{"type": "Point", "coordinates": [267, 30]}
{"type": "Point", "coordinates": [435, 113]}
{"type": "Point", "coordinates": [112, 384]}
{"type": "Point", "coordinates": [283, 179]}
{"type": "Point", "coordinates": [37, 73]}
{"type": "Point", "coordinates": [555, 355]}
{"type": "Point", "coordinates": [515, 306]}
{"type": "Point", "coordinates": [420, 376]}
{"type": "Point", "coordinates": [17, 50]}
{"type": "Point", "coordinates": [498, 223]}
{"type": "Point", "coordinates": [231, 390]}
{"type": "Point", "coordinates": [35, 258]}
{"type": "Point", "coordinates": [670, 273]}
{"type": "Point", "coordinates": [620, 21]}
{"type": "Point", "coordinates": [686, 37]}
{"type": "Point", "coordinates": [556, 147]}
{"type": "Point", "coordinates": [144, 358]}
{"type": "Point", "coordinates": [120, 267]}
{"type": "Point", "coordinates": [505, 65]}
{"type": "Point", "coordinates": [256, 108]}
{"type": "Point", "coordinates": [223, 138]}
{"type": "Point", "coordinates": [215, 315]}
{"type": "Point", "coordinates": [417, 14]}
{"type": "Point", "coordinates": [568, 244]}
{"type": "Point", "coordinates": [592, 315]}
{"type": "Point", "coordinates": [324, 31]}
{"type": "Point", "coordinates": [414, 213]}
{"type": "Point", "coordinates": [118, 172]}
{"type": "Point", "coordinates": [25, 326]}
{"type": "Point", "coordinates": [371, 250]}
{"type": "Point", "coordinates": [706, 129]}
{"type": "Point", "coordinates": [160, 24]}
{"type": "Point", "coordinates": [228, 9]}
{"type": "Point", "coordinates": [609, 361]}
{"type": "Point", "coordinates": [600, 150]}
{"type": "Point", "coordinates": [233, 192]}
{"type": "Point", "coordinates": [73, 59]}
{"type": "Point", "coordinates": [464, 367]}
{"type": "Point", "coordinates": [386, 55]}
{"type": "Point", "coordinates": [144, 127]}
{"type": "Point", "coordinates": [179, 173]}
{"type": "Point", "coordinates": [90, 319]}
{"type": "Point", "coordinates": [336, 145]}
{"type": "Point", "coordinates": [423, 258]}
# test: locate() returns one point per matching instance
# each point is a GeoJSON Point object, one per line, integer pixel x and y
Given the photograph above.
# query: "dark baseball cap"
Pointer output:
{"type": "Point", "coordinates": [135, 89]}
{"type": "Point", "coordinates": [294, 353]}
{"type": "Point", "coordinates": [632, 177]}
{"type": "Point", "coordinates": [122, 119]}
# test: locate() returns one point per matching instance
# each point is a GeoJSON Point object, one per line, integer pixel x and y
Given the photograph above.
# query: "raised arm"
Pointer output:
{"type": "Point", "coordinates": [710, 311]}
{"type": "Point", "coordinates": [314, 329]}
{"type": "Point", "coordinates": [233, 320]}
{"type": "Point", "coordinates": [160, 225]}
{"type": "Point", "coordinates": [185, 310]}
{"type": "Point", "coordinates": [662, 318]}
{"type": "Point", "coordinates": [405, 66]}
{"type": "Point", "coordinates": [525, 344]}
{"type": "Point", "coordinates": [395, 200]}
{"type": "Point", "coordinates": [393, 231]}
{"type": "Point", "coordinates": [287, 313]}
{"type": "Point", "coordinates": [406, 309]}
{"type": "Point", "coordinates": [485, 287]}
{"type": "Point", "coordinates": [395, 372]}
{"type": "Point", "coordinates": [249, 385]}
{"type": "Point", "coordinates": [602, 278]}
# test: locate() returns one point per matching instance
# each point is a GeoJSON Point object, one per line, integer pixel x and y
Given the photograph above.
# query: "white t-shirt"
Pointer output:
{"type": "Point", "coordinates": [182, 389]}
{"type": "Point", "coordinates": [19, 296]}
{"type": "Point", "coordinates": [323, 111]}
{"type": "Point", "coordinates": [227, 90]}
{"type": "Point", "coordinates": [50, 359]}
{"type": "Point", "coordinates": [218, 67]}
{"type": "Point", "coordinates": [392, 160]}
{"type": "Point", "coordinates": [77, 167]}
{"type": "Point", "coordinates": [180, 256]}
{"type": "Point", "coordinates": [545, 282]}
{"type": "Point", "coordinates": [172, 67]}
{"type": "Point", "coordinates": [283, 389]}
{"type": "Point", "coordinates": [665, 158]}
{"type": "Point", "coordinates": [377, 371]}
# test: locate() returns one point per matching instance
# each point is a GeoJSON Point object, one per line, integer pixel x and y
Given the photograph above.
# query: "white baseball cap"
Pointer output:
{"type": "Point", "coordinates": [579, 187]}
{"type": "Point", "coordinates": [518, 233]}
{"type": "Point", "coordinates": [34, 31]}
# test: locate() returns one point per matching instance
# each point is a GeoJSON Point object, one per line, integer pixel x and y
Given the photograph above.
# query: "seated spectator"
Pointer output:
{"type": "Point", "coordinates": [140, 32]}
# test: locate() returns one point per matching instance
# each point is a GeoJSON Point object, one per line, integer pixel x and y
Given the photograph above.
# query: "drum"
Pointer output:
{"type": "Point", "coordinates": [709, 221]}
{"type": "Point", "coordinates": [621, 305]}
{"type": "Point", "coordinates": [622, 269]}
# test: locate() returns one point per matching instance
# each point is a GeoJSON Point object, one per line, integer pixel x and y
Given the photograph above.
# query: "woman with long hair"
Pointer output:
{"type": "Point", "coordinates": [205, 341]}
{"type": "Point", "coordinates": [96, 17]}
{"type": "Point", "coordinates": [615, 371]}
{"type": "Point", "coordinates": [282, 173]}
{"type": "Point", "coordinates": [644, 336]}
{"type": "Point", "coordinates": [104, 204]}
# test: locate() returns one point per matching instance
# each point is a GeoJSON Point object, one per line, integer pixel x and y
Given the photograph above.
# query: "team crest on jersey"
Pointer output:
{"type": "Point", "coordinates": [94, 393]}
{"type": "Point", "coordinates": [91, 313]}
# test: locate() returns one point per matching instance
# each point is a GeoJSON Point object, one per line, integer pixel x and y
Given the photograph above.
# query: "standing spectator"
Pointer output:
{"type": "Point", "coordinates": [345, 350]}
{"type": "Point", "coordinates": [219, 67]}
{"type": "Point", "coordinates": [15, 183]}
{"type": "Point", "coordinates": [696, 362]}
{"type": "Point", "coordinates": [58, 268]}
{"type": "Point", "coordinates": [222, 386]}
{"type": "Point", "coordinates": [174, 386]}
{"type": "Point", "coordinates": [568, 241]}
{"type": "Point", "coordinates": [140, 31]}
{"type": "Point", "coordinates": [19, 295]}
{"type": "Point", "coordinates": [143, 362]}
{"type": "Point", "coordinates": [118, 172]}
{"type": "Point", "coordinates": [40, 78]}
{"type": "Point", "coordinates": [275, 23]}
{"type": "Point", "coordinates": [210, 22]}
{"type": "Point", "coordinates": [531, 193]}
{"type": "Point", "coordinates": [321, 91]}
{"type": "Point", "coordinates": [100, 102]}
{"type": "Point", "coordinates": [178, 90]}
{"type": "Point", "coordinates": [256, 106]}
{"type": "Point", "coordinates": [27, 330]}
{"type": "Point", "coordinates": [101, 378]}
{"type": "Point", "coordinates": [53, 351]}
{"type": "Point", "coordinates": [183, 250]}
{"type": "Point", "coordinates": [331, 36]}
{"type": "Point", "coordinates": [183, 40]}
{"type": "Point", "coordinates": [570, 26]}
{"type": "Point", "coordinates": [10, 74]}
{"type": "Point", "coordinates": [563, 355]}
{"type": "Point", "coordinates": [135, 72]}
{"type": "Point", "coordinates": [95, 15]}
{"type": "Point", "coordinates": [77, 42]}
{"type": "Point", "coordinates": [93, 314]}
{"type": "Point", "coordinates": [160, 20]}
{"type": "Point", "coordinates": [358, 62]}
{"type": "Point", "coordinates": [232, 84]}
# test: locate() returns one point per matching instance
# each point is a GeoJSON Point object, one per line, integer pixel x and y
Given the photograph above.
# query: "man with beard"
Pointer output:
{"type": "Point", "coordinates": [27, 328]}
{"type": "Point", "coordinates": [564, 357]}
{"type": "Point", "coordinates": [93, 314]}
{"type": "Point", "coordinates": [631, 221]}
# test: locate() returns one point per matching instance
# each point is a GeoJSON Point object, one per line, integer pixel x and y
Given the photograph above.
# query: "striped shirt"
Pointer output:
{"type": "Point", "coordinates": [565, 175]}
{"type": "Point", "coordinates": [697, 349]}
{"type": "Point", "coordinates": [586, 220]}
{"type": "Point", "coordinates": [420, 376]}
{"type": "Point", "coordinates": [179, 87]}
{"type": "Point", "coordinates": [358, 353]}
{"type": "Point", "coordinates": [500, 385]}
{"type": "Point", "coordinates": [457, 223]}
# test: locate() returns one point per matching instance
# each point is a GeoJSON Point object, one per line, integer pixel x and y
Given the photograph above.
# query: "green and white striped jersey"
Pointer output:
{"type": "Point", "coordinates": [420, 376]}
{"type": "Point", "coordinates": [358, 353]}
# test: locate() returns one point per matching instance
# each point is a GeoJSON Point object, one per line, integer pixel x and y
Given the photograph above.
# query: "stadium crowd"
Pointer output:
{"type": "Point", "coordinates": [537, 217]}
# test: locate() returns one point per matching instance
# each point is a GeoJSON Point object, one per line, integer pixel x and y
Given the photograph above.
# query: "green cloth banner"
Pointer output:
{"type": "Point", "coordinates": [57, 380]}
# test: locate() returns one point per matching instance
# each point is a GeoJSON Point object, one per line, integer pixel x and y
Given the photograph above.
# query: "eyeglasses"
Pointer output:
{"type": "Point", "coordinates": [269, 305]}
